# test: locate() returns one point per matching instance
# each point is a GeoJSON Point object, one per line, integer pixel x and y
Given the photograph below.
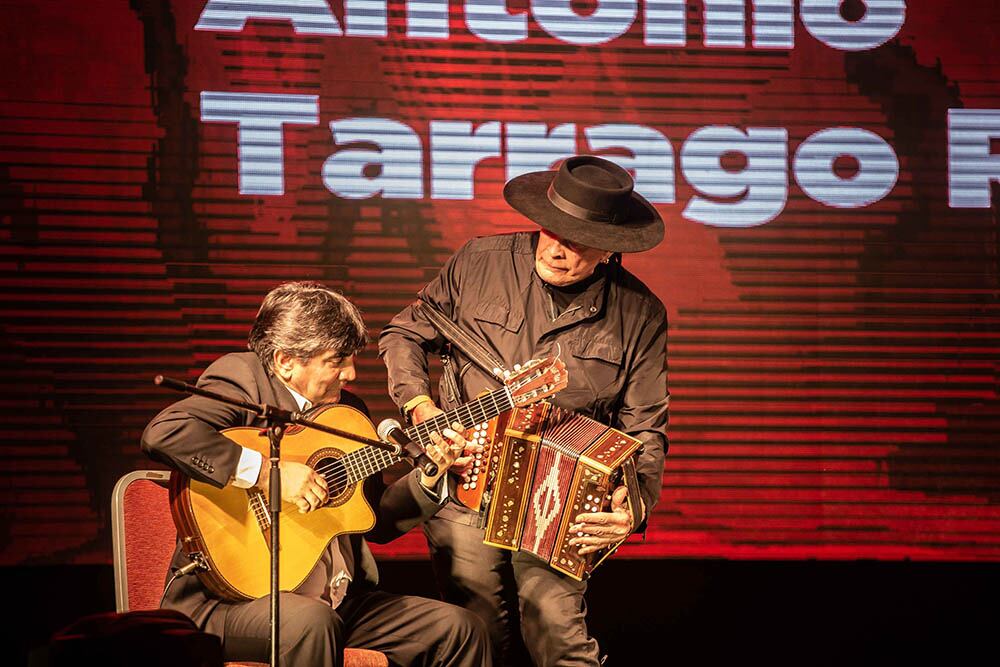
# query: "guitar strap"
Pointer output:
{"type": "Point", "coordinates": [469, 345]}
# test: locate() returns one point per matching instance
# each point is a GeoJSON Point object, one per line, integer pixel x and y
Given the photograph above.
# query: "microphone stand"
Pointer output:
{"type": "Point", "coordinates": [277, 420]}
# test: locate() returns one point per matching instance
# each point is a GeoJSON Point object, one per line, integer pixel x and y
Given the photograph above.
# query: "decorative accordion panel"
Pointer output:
{"type": "Point", "coordinates": [543, 467]}
{"type": "Point", "coordinates": [470, 493]}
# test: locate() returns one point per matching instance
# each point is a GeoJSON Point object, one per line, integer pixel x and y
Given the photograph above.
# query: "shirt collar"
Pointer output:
{"type": "Point", "coordinates": [303, 402]}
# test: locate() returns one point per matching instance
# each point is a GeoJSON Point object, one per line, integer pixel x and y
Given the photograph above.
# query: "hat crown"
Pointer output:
{"type": "Point", "coordinates": [599, 186]}
{"type": "Point", "coordinates": [589, 201]}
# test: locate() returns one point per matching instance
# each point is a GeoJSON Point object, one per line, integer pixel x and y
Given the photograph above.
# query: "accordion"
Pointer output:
{"type": "Point", "coordinates": [541, 467]}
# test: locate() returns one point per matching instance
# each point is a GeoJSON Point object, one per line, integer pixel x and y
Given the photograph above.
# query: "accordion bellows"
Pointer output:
{"type": "Point", "coordinates": [542, 466]}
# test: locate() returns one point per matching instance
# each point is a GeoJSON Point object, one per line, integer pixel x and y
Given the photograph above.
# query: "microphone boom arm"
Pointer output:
{"type": "Point", "coordinates": [271, 413]}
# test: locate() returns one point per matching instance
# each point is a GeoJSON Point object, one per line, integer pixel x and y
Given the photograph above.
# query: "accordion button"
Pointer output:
{"type": "Point", "coordinates": [472, 486]}
{"type": "Point", "coordinates": [475, 477]}
{"type": "Point", "coordinates": [465, 486]}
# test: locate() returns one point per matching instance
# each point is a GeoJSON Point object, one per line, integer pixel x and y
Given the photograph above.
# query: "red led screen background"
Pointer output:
{"type": "Point", "coordinates": [833, 369]}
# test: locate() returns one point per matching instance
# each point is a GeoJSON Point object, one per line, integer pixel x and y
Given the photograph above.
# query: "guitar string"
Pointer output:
{"type": "Point", "coordinates": [361, 465]}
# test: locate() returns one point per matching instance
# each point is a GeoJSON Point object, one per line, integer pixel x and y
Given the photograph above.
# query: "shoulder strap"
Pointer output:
{"type": "Point", "coordinates": [463, 340]}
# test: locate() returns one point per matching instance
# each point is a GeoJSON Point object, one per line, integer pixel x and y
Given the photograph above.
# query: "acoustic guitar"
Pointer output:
{"type": "Point", "coordinates": [228, 529]}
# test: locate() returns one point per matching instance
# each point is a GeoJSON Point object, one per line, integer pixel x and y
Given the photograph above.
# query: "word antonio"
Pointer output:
{"type": "Point", "coordinates": [382, 156]}
{"type": "Point", "coordinates": [664, 22]}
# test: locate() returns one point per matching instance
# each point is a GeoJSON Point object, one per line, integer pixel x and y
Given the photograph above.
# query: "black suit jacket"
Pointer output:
{"type": "Point", "coordinates": [185, 436]}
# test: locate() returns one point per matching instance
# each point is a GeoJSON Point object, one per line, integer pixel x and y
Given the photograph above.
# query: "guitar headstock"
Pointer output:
{"type": "Point", "coordinates": [537, 379]}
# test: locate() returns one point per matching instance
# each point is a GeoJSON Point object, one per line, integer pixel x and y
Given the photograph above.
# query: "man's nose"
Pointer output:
{"type": "Point", "coordinates": [348, 374]}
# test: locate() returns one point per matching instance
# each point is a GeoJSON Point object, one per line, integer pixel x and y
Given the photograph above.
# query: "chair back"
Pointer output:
{"type": "Point", "coordinates": [143, 538]}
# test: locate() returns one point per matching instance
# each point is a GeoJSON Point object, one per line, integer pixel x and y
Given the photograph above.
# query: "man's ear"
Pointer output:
{"type": "Point", "coordinates": [283, 364]}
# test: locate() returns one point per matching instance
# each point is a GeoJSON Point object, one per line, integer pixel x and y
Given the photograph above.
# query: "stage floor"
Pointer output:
{"type": "Point", "coordinates": [682, 612]}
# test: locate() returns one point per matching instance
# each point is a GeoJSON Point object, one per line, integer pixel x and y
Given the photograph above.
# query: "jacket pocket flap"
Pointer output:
{"type": "Point", "coordinates": [603, 350]}
{"type": "Point", "coordinates": [499, 313]}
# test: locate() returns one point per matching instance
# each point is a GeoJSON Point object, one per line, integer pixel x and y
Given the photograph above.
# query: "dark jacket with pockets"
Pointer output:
{"type": "Point", "coordinates": [612, 338]}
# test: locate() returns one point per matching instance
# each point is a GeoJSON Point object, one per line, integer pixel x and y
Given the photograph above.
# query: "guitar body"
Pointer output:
{"type": "Point", "coordinates": [229, 528]}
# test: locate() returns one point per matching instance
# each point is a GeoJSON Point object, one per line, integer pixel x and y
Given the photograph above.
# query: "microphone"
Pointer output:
{"type": "Point", "coordinates": [390, 431]}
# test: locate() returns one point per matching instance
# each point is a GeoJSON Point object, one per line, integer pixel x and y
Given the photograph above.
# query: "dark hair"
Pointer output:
{"type": "Point", "coordinates": [304, 319]}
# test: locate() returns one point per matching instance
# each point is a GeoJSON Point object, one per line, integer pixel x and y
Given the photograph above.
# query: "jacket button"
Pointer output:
{"type": "Point", "coordinates": [593, 309]}
{"type": "Point", "coordinates": [211, 468]}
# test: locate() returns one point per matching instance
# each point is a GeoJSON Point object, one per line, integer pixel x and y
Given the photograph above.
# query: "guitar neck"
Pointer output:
{"type": "Point", "coordinates": [478, 411]}
{"type": "Point", "coordinates": [366, 461]}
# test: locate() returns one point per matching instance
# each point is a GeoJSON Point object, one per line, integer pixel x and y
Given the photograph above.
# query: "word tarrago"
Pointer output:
{"type": "Point", "coordinates": [751, 195]}
{"type": "Point", "coordinates": [664, 21]}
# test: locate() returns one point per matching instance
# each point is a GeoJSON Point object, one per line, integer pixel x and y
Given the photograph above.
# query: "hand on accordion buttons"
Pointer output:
{"type": "Point", "coordinates": [443, 450]}
{"type": "Point", "coordinates": [464, 463]}
{"type": "Point", "coordinates": [450, 452]}
{"type": "Point", "coordinates": [603, 529]}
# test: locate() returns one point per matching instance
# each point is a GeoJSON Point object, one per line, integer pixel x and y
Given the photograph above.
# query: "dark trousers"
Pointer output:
{"type": "Point", "coordinates": [529, 608]}
{"type": "Point", "coordinates": [409, 630]}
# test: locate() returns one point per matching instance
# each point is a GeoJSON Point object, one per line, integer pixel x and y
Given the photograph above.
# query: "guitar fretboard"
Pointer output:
{"type": "Point", "coordinates": [478, 411]}
{"type": "Point", "coordinates": [366, 461]}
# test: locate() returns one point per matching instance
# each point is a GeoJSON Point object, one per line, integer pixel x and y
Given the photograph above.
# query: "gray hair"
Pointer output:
{"type": "Point", "coordinates": [304, 319]}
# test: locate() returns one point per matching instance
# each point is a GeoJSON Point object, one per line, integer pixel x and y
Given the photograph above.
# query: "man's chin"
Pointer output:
{"type": "Point", "coordinates": [551, 276]}
{"type": "Point", "coordinates": [330, 397]}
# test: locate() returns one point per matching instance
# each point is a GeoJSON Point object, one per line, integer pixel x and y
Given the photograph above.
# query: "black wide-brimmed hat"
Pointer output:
{"type": "Point", "coordinates": [590, 201]}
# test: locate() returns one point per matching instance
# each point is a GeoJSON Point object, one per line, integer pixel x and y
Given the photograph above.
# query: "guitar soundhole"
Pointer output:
{"type": "Point", "coordinates": [336, 478]}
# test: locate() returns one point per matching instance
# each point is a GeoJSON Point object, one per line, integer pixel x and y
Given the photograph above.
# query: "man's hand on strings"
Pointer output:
{"type": "Point", "coordinates": [445, 449]}
{"type": "Point", "coordinates": [300, 484]}
{"type": "Point", "coordinates": [462, 465]}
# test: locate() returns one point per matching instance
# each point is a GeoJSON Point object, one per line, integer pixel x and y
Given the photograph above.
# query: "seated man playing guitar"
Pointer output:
{"type": "Point", "coordinates": [303, 343]}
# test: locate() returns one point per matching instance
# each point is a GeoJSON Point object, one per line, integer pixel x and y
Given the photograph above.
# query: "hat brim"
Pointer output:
{"type": "Point", "coordinates": [639, 226]}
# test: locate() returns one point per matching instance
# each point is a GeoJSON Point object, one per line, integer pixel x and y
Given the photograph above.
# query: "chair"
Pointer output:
{"type": "Point", "coordinates": [143, 540]}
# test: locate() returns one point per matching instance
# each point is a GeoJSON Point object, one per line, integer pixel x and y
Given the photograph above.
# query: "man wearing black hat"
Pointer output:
{"type": "Point", "coordinates": [561, 290]}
